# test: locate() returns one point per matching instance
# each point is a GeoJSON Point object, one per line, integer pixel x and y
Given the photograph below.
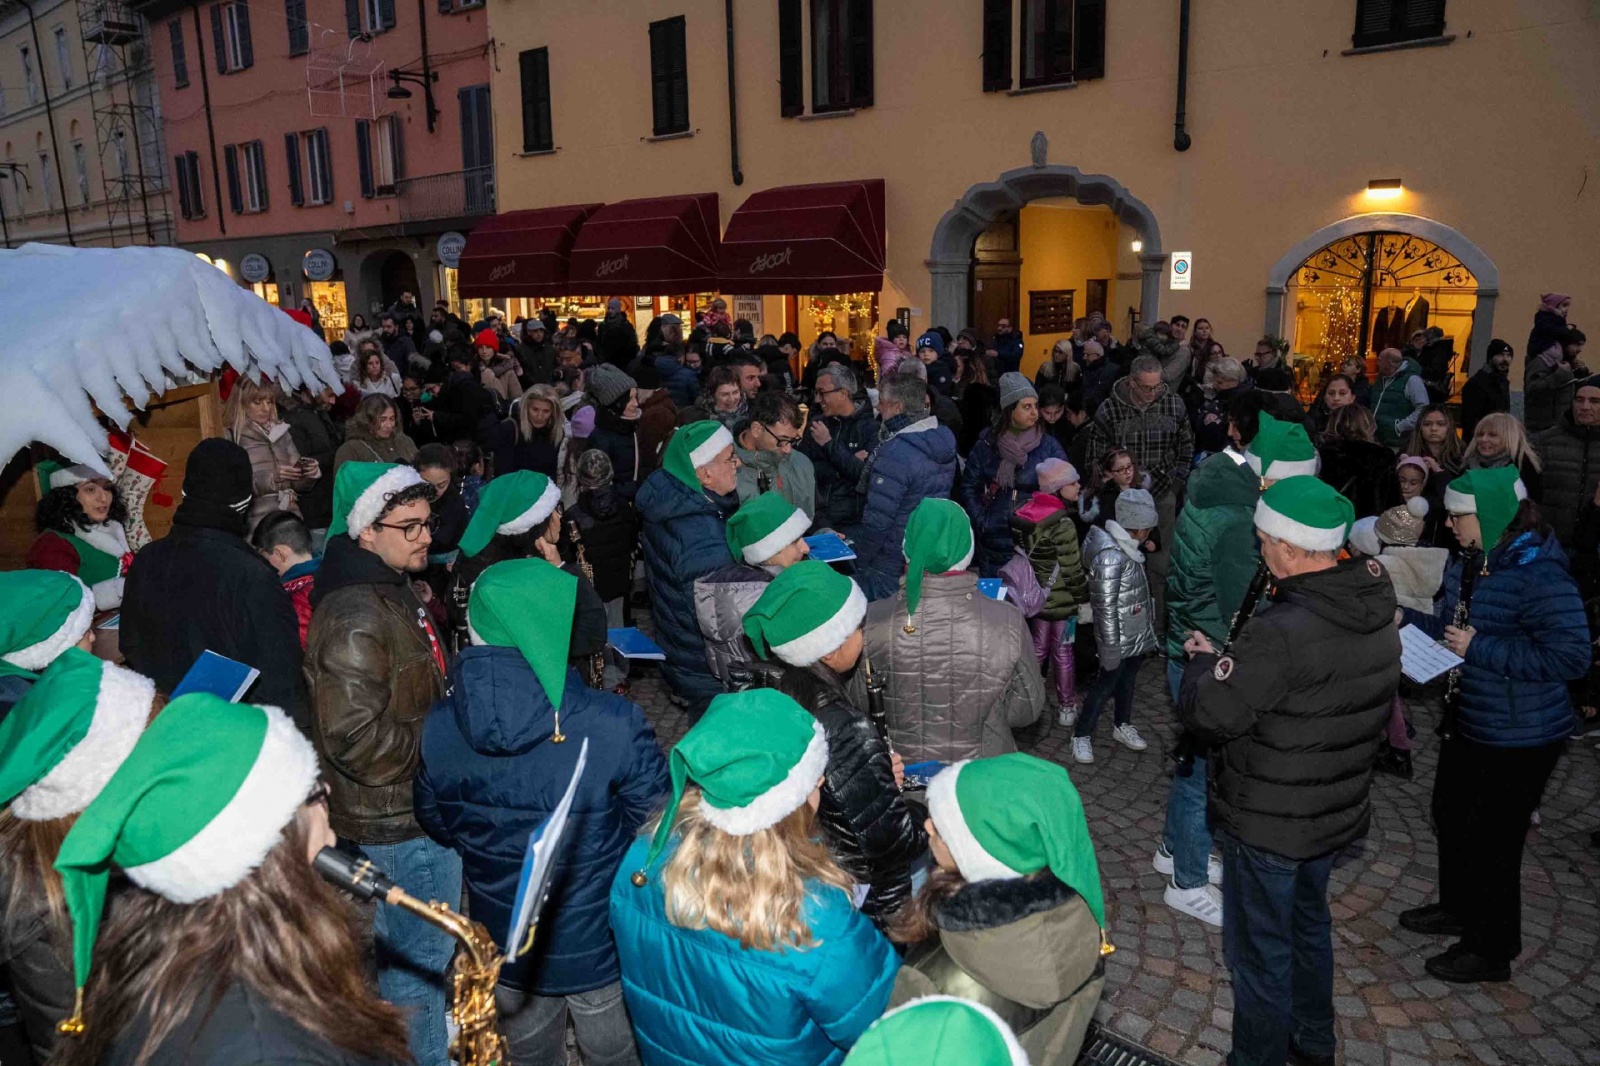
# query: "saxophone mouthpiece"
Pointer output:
{"type": "Point", "coordinates": [355, 874]}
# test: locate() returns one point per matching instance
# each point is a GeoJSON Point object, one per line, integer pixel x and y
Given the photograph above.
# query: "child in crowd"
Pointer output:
{"type": "Point", "coordinates": [283, 540]}
{"type": "Point", "coordinates": [1124, 618]}
{"type": "Point", "coordinates": [605, 527]}
{"type": "Point", "coordinates": [1043, 528]}
{"type": "Point", "coordinates": [1119, 470]}
{"type": "Point", "coordinates": [469, 461]}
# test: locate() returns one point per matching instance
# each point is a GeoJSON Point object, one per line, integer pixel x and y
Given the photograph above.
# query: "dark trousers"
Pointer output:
{"type": "Point", "coordinates": [1116, 685]}
{"type": "Point", "coordinates": [1483, 798]}
{"type": "Point", "coordinates": [1277, 937]}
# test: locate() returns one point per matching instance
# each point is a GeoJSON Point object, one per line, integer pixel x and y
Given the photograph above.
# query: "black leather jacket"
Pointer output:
{"type": "Point", "coordinates": [872, 831]}
{"type": "Point", "coordinates": [36, 964]}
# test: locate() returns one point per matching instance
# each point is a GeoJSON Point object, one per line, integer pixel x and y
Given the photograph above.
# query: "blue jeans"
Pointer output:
{"type": "Point", "coordinates": [413, 955]}
{"type": "Point", "coordinates": [1277, 937]}
{"type": "Point", "coordinates": [1187, 837]}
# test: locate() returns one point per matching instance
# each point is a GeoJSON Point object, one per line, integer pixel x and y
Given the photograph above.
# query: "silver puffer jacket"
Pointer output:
{"type": "Point", "coordinates": [961, 679]}
{"type": "Point", "coordinates": [1119, 590]}
{"type": "Point", "coordinates": [721, 600]}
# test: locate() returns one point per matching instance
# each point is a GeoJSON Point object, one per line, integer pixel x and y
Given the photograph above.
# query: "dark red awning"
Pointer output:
{"type": "Point", "coordinates": [806, 239]}
{"type": "Point", "coordinates": [522, 253]}
{"type": "Point", "coordinates": [663, 245]}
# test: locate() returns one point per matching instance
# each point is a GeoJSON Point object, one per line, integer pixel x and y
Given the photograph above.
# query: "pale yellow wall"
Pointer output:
{"type": "Point", "coordinates": [1062, 248]}
{"type": "Point", "coordinates": [1494, 134]}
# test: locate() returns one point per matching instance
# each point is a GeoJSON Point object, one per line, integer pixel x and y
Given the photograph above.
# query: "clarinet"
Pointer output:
{"type": "Point", "coordinates": [1470, 570]}
{"type": "Point", "coordinates": [1183, 752]}
{"type": "Point", "coordinates": [875, 710]}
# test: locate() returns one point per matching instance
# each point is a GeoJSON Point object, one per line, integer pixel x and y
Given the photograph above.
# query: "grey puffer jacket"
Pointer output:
{"type": "Point", "coordinates": [962, 679]}
{"type": "Point", "coordinates": [1119, 591]}
{"type": "Point", "coordinates": [721, 600]}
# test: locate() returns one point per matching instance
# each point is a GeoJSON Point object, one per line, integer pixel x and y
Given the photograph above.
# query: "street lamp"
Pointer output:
{"type": "Point", "coordinates": [426, 78]}
{"type": "Point", "coordinates": [1385, 188]}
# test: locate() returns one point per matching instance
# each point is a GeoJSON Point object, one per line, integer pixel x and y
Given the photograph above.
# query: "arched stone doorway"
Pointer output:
{"type": "Point", "coordinates": [1484, 280]}
{"type": "Point", "coordinates": [950, 257]}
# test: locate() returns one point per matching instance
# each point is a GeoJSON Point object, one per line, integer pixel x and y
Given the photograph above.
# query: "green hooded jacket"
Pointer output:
{"type": "Point", "coordinates": [1214, 551]}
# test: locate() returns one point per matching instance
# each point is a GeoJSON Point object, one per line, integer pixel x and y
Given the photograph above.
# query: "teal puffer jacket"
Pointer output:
{"type": "Point", "coordinates": [1213, 551]}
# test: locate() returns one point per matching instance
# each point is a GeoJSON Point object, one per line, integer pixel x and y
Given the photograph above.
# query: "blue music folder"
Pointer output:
{"type": "Point", "coordinates": [218, 675]}
{"type": "Point", "coordinates": [992, 588]}
{"type": "Point", "coordinates": [632, 644]}
{"type": "Point", "coordinates": [538, 863]}
{"type": "Point", "coordinates": [829, 548]}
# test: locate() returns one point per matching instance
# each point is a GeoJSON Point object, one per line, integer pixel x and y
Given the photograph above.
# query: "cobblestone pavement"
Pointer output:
{"type": "Point", "coordinates": [1168, 986]}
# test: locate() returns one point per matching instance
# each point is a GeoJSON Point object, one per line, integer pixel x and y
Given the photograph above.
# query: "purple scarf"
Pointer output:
{"type": "Point", "coordinates": [1014, 447]}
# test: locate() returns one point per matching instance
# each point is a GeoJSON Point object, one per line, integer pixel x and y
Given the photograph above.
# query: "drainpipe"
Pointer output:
{"type": "Point", "coordinates": [1180, 136]}
{"type": "Point", "coordinates": [50, 119]}
{"type": "Point", "coordinates": [211, 129]}
{"type": "Point", "coordinates": [733, 102]}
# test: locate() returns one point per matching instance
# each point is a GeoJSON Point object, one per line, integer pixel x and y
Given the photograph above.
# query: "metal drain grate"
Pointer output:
{"type": "Point", "coordinates": [1101, 1048]}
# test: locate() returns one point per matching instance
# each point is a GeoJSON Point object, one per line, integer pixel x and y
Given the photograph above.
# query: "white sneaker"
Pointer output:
{"type": "Point", "coordinates": [1204, 903]}
{"type": "Point", "coordinates": [1067, 716]}
{"type": "Point", "coordinates": [1082, 750]}
{"type": "Point", "coordinates": [1163, 865]}
{"type": "Point", "coordinates": [1129, 737]}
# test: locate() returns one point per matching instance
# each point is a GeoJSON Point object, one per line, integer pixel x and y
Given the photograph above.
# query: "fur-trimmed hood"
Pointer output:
{"type": "Point", "coordinates": [986, 904]}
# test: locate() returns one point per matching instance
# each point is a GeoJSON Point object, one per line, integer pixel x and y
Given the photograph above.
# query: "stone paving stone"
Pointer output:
{"type": "Point", "coordinates": [1199, 1056]}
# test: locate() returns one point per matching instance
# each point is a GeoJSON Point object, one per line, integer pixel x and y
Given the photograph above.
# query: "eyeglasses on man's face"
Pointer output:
{"type": "Point", "coordinates": [411, 530]}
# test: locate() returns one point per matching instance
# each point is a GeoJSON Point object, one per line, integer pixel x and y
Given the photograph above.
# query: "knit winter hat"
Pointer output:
{"type": "Point", "coordinates": [1281, 449]}
{"type": "Point", "coordinates": [1491, 494]}
{"type": "Point", "coordinates": [756, 756]}
{"type": "Point", "coordinates": [1402, 526]}
{"type": "Point", "coordinates": [932, 340]}
{"type": "Point", "coordinates": [938, 539]}
{"type": "Point", "coordinates": [218, 471]}
{"type": "Point", "coordinates": [1136, 509]}
{"type": "Point", "coordinates": [487, 338]}
{"type": "Point", "coordinates": [47, 612]}
{"type": "Point", "coordinates": [1014, 388]}
{"type": "Point", "coordinates": [806, 612]}
{"type": "Point", "coordinates": [1552, 301]}
{"type": "Point", "coordinates": [510, 504]}
{"type": "Point", "coordinates": [1012, 815]}
{"type": "Point", "coordinates": [694, 446]}
{"type": "Point", "coordinates": [527, 604]}
{"type": "Point", "coordinates": [63, 740]}
{"type": "Point", "coordinates": [1056, 474]}
{"type": "Point", "coordinates": [1364, 536]}
{"type": "Point", "coordinates": [1306, 512]}
{"type": "Point", "coordinates": [362, 490]}
{"type": "Point", "coordinates": [605, 384]}
{"type": "Point", "coordinates": [196, 806]}
{"type": "Point", "coordinates": [582, 423]}
{"type": "Point", "coordinates": [1412, 460]}
{"type": "Point", "coordinates": [938, 1029]}
{"type": "Point", "coordinates": [764, 526]}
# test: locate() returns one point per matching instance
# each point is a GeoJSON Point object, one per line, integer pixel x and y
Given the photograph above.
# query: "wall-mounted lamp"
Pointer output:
{"type": "Point", "coordinates": [1385, 188]}
{"type": "Point", "coordinates": [1137, 246]}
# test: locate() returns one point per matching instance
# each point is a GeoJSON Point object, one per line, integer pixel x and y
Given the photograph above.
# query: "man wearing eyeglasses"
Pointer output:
{"type": "Point", "coordinates": [766, 446]}
{"type": "Point", "coordinates": [839, 440]}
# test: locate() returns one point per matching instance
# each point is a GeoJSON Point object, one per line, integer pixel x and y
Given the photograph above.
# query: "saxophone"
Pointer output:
{"type": "Point", "coordinates": [1470, 572]}
{"type": "Point", "coordinates": [477, 965]}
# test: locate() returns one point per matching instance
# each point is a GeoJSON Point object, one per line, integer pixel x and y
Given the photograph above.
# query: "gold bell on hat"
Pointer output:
{"type": "Point", "coordinates": [639, 879]}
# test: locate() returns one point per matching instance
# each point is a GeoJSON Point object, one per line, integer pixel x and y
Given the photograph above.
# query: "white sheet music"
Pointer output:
{"type": "Point", "coordinates": [1422, 658]}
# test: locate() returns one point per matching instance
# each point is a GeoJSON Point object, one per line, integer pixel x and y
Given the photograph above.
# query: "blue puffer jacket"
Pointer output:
{"type": "Point", "coordinates": [989, 507]}
{"type": "Point", "coordinates": [1532, 638]}
{"type": "Point", "coordinates": [917, 462]}
{"type": "Point", "coordinates": [699, 999]}
{"type": "Point", "coordinates": [623, 451]}
{"type": "Point", "coordinates": [681, 382]}
{"type": "Point", "coordinates": [685, 537]}
{"type": "Point", "coordinates": [490, 774]}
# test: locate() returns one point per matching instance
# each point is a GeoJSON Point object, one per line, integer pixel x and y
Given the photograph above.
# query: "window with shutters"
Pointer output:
{"type": "Point", "coordinates": [180, 63]}
{"type": "Point", "coordinates": [386, 155]}
{"type": "Point", "coordinates": [230, 166]}
{"type": "Point", "coordinates": [191, 202]}
{"type": "Point", "coordinates": [80, 164]}
{"type": "Point", "coordinates": [230, 29]}
{"type": "Point", "coordinates": [63, 56]}
{"type": "Point", "coordinates": [294, 15]}
{"type": "Point", "coordinates": [1058, 42]}
{"type": "Point", "coordinates": [536, 132]}
{"type": "Point", "coordinates": [30, 81]}
{"type": "Point", "coordinates": [1380, 22]}
{"type": "Point", "coordinates": [841, 55]}
{"type": "Point", "coordinates": [47, 173]}
{"type": "Point", "coordinates": [669, 76]}
{"type": "Point", "coordinates": [368, 16]}
{"type": "Point", "coordinates": [319, 167]}
{"type": "Point", "coordinates": [252, 177]}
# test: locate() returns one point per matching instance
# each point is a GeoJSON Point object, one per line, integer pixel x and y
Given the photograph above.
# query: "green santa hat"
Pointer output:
{"type": "Point", "coordinates": [1492, 494]}
{"type": "Point", "coordinates": [68, 734]}
{"type": "Point", "coordinates": [510, 504]}
{"type": "Point", "coordinates": [1281, 450]}
{"type": "Point", "coordinates": [756, 755]}
{"type": "Point", "coordinates": [197, 805]}
{"type": "Point", "coordinates": [1305, 512]}
{"type": "Point", "coordinates": [938, 539]}
{"type": "Point", "coordinates": [764, 526]}
{"type": "Point", "coordinates": [1013, 815]}
{"type": "Point", "coordinates": [527, 604]}
{"type": "Point", "coordinates": [362, 490]}
{"type": "Point", "coordinates": [805, 613]}
{"type": "Point", "coordinates": [694, 446]}
{"type": "Point", "coordinates": [938, 1029]}
{"type": "Point", "coordinates": [47, 612]}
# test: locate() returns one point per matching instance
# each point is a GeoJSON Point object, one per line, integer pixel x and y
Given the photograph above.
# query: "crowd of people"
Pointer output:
{"type": "Point", "coordinates": [846, 855]}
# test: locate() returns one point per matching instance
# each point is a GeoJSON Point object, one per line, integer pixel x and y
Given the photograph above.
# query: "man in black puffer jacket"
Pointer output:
{"type": "Point", "coordinates": [839, 442]}
{"type": "Point", "coordinates": [1296, 715]}
{"type": "Point", "coordinates": [1571, 453]}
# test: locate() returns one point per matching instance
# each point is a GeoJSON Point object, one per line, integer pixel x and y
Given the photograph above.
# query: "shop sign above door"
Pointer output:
{"type": "Point", "coordinates": [319, 264]}
{"type": "Point", "coordinates": [254, 268]}
{"type": "Point", "coordinates": [1182, 269]}
{"type": "Point", "coordinates": [450, 247]}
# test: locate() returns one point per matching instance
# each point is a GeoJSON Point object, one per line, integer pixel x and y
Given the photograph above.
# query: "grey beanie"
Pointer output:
{"type": "Point", "coordinates": [605, 384]}
{"type": "Point", "coordinates": [1015, 388]}
{"type": "Point", "coordinates": [1136, 509]}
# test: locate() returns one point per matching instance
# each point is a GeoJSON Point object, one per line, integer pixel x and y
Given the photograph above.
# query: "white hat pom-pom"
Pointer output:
{"type": "Point", "coordinates": [1418, 505]}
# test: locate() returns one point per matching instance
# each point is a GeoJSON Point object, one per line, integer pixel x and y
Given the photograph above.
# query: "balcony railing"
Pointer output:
{"type": "Point", "coordinates": [458, 194]}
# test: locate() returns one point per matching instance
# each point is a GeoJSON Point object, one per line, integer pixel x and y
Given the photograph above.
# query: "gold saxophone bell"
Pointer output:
{"type": "Point", "coordinates": [805, 416]}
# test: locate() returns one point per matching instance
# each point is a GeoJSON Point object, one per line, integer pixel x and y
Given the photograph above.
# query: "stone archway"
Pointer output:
{"type": "Point", "coordinates": [950, 257]}
{"type": "Point", "coordinates": [1451, 240]}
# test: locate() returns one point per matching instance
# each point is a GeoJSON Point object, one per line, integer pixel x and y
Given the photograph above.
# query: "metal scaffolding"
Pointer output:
{"type": "Point", "coordinates": [127, 123]}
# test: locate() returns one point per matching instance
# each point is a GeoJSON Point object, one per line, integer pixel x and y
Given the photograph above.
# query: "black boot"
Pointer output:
{"type": "Point", "coordinates": [1394, 761]}
{"type": "Point", "coordinates": [1299, 1057]}
{"type": "Point", "coordinates": [1462, 967]}
{"type": "Point", "coordinates": [1433, 920]}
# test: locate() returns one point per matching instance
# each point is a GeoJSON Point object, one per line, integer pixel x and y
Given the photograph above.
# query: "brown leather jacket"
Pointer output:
{"type": "Point", "coordinates": [373, 676]}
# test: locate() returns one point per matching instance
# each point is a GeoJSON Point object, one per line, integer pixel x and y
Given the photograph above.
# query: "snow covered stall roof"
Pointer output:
{"type": "Point", "coordinates": [159, 316]}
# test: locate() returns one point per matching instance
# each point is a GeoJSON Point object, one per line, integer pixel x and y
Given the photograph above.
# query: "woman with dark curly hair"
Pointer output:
{"type": "Point", "coordinates": [80, 523]}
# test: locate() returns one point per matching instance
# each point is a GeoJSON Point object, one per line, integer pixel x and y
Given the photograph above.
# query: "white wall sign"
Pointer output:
{"type": "Point", "coordinates": [450, 248]}
{"type": "Point", "coordinates": [254, 268]}
{"type": "Point", "coordinates": [749, 309]}
{"type": "Point", "coordinates": [319, 264]}
{"type": "Point", "coordinates": [1182, 269]}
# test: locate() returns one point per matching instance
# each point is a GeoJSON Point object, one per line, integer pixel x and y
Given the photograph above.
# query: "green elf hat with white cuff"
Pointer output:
{"type": "Point", "coordinates": [510, 504]}
{"type": "Point", "coordinates": [938, 1029]}
{"type": "Point", "coordinates": [756, 755]}
{"type": "Point", "coordinates": [938, 539]}
{"type": "Point", "coordinates": [527, 604]}
{"type": "Point", "coordinates": [46, 612]}
{"type": "Point", "coordinates": [202, 799]}
{"type": "Point", "coordinates": [1013, 815]}
{"type": "Point", "coordinates": [1281, 450]}
{"type": "Point", "coordinates": [68, 734]}
{"type": "Point", "coordinates": [764, 526]}
{"type": "Point", "coordinates": [694, 446]}
{"type": "Point", "coordinates": [805, 613]}
{"type": "Point", "coordinates": [362, 490]}
{"type": "Point", "coordinates": [1493, 495]}
{"type": "Point", "coordinates": [1306, 512]}
{"type": "Point", "coordinates": [53, 475]}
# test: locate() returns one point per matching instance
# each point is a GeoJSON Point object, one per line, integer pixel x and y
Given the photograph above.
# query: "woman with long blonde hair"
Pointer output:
{"type": "Point", "coordinates": [1499, 439]}
{"type": "Point", "coordinates": [278, 472]}
{"type": "Point", "coordinates": [736, 930]}
{"type": "Point", "coordinates": [541, 432]}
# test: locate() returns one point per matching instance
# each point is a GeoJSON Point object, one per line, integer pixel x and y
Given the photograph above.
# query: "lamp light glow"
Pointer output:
{"type": "Point", "coordinates": [1137, 246]}
{"type": "Point", "coordinates": [1385, 188]}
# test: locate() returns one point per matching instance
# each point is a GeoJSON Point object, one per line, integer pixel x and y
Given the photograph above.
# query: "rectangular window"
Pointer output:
{"type": "Point", "coordinates": [119, 148]}
{"type": "Point", "coordinates": [536, 132]}
{"type": "Point", "coordinates": [294, 14]}
{"type": "Point", "coordinates": [180, 64]}
{"type": "Point", "coordinates": [669, 76]}
{"type": "Point", "coordinates": [291, 153]}
{"type": "Point", "coordinates": [63, 57]}
{"type": "Point", "coordinates": [80, 163]}
{"type": "Point", "coordinates": [253, 172]}
{"type": "Point", "coordinates": [230, 164]}
{"type": "Point", "coordinates": [191, 203]}
{"type": "Point", "coordinates": [477, 148]}
{"type": "Point", "coordinates": [1046, 42]}
{"type": "Point", "coordinates": [47, 180]}
{"type": "Point", "coordinates": [841, 54]}
{"type": "Point", "coordinates": [230, 30]}
{"type": "Point", "coordinates": [1062, 41]}
{"type": "Point", "coordinates": [29, 81]}
{"type": "Point", "coordinates": [368, 16]}
{"type": "Point", "coordinates": [1381, 22]}
{"type": "Point", "coordinates": [386, 154]}
{"type": "Point", "coordinates": [319, 167]}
